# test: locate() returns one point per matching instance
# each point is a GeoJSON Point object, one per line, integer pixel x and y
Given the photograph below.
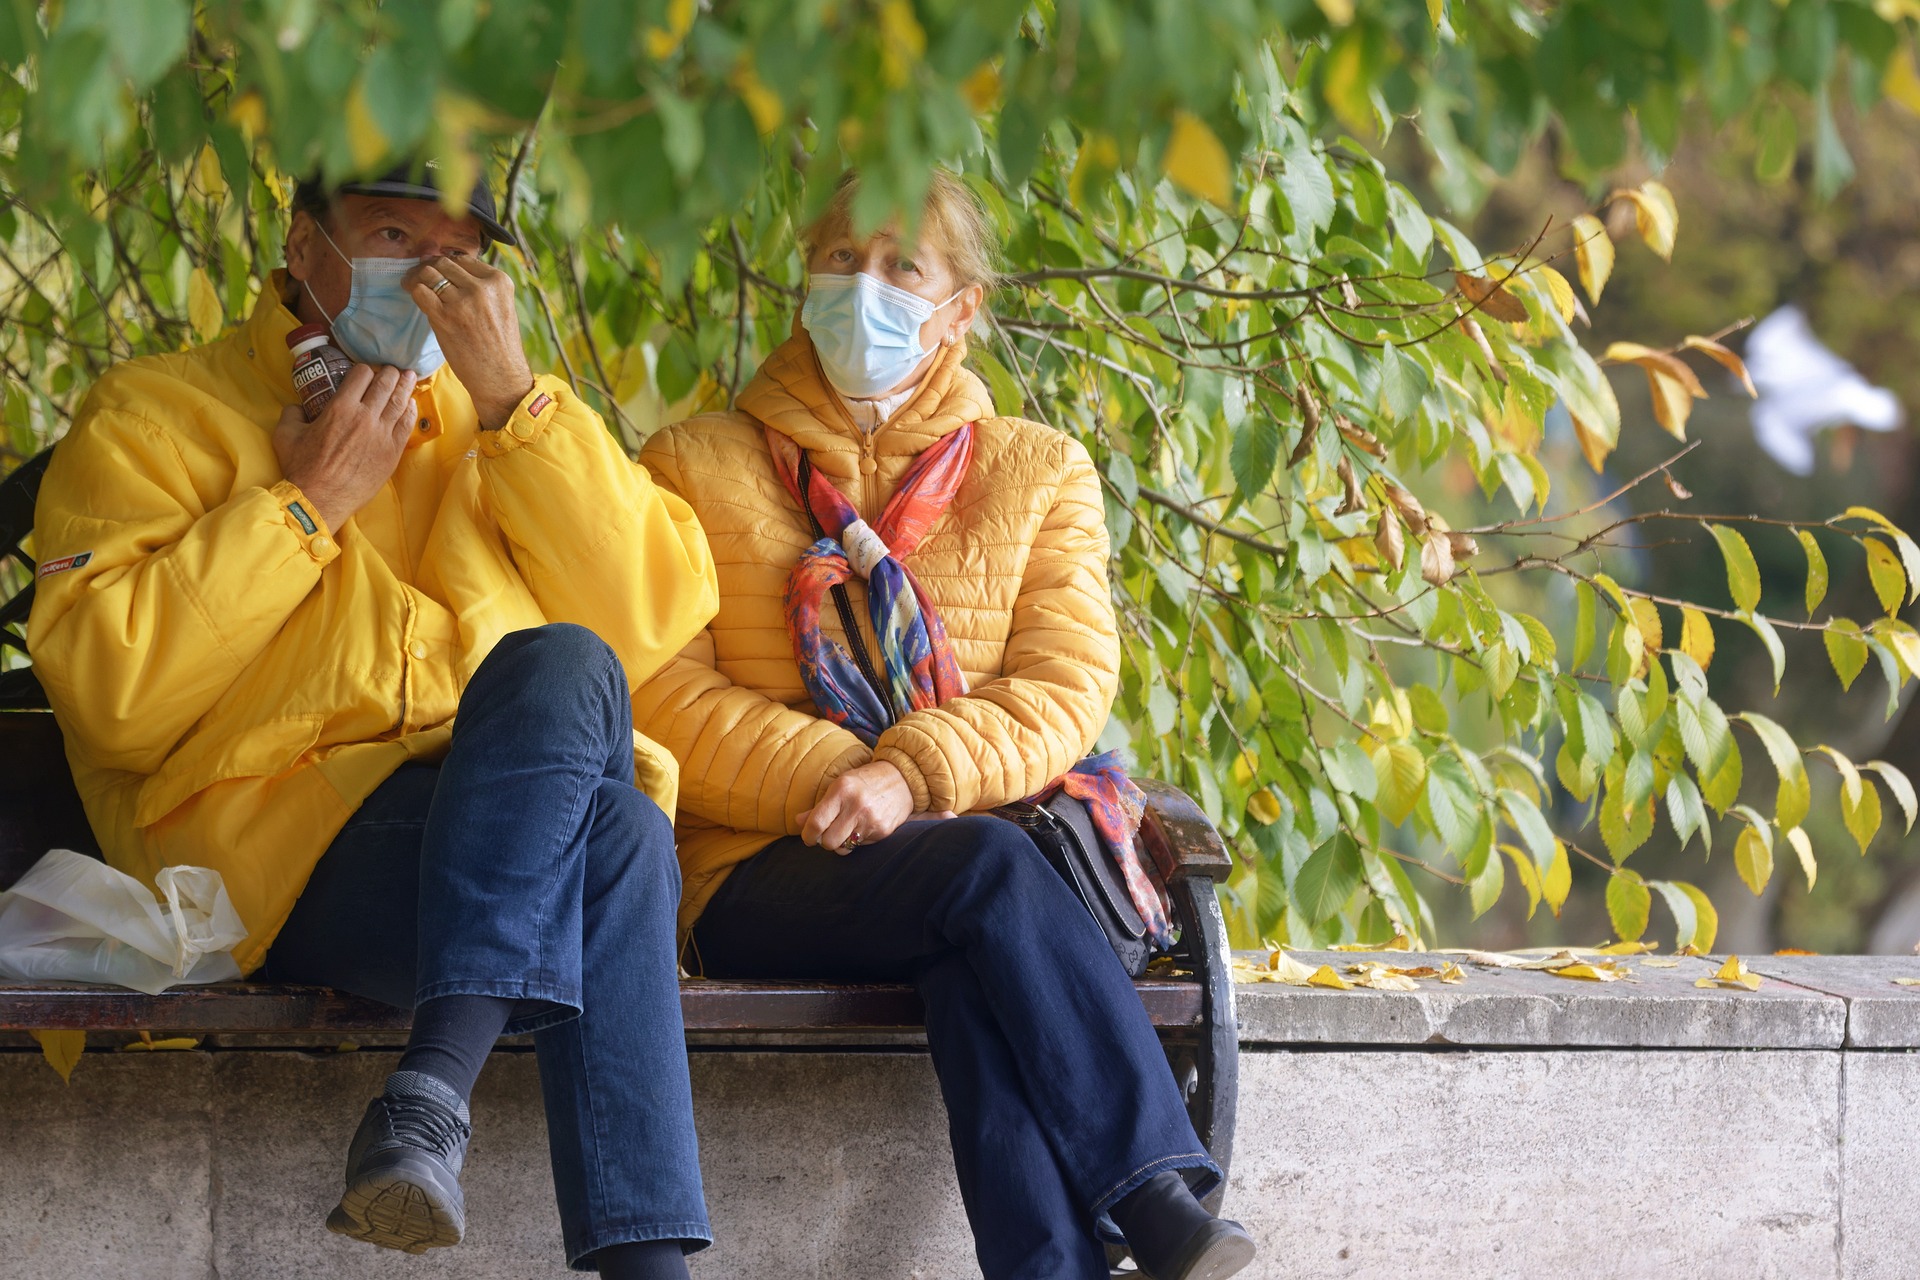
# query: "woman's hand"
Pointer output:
{"type": "Point", "coordinates": [860, 806]}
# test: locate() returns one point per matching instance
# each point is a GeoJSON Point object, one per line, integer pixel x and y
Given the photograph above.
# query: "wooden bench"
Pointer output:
{"type": "Point", "coordinates": [1191, 1004]}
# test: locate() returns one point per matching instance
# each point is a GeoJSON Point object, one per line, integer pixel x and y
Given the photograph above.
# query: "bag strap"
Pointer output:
{"type": "Point", "coordinates": [841, 603]}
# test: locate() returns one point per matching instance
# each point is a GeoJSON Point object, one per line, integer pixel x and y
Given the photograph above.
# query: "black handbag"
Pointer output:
{"type": "Point", "coordinates": [1061, 827]}
{"type": "Point", "coordinates": [1064, 831]}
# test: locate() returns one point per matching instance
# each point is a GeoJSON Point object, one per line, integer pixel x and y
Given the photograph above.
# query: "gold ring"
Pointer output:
{"type": "Point", "coordinates": [442, 284]}
{"type": "Point", "coordinates": [853, 842]}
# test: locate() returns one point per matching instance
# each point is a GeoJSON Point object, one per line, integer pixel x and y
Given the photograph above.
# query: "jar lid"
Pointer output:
{"type": "Point", "coordinates": [306, 331]}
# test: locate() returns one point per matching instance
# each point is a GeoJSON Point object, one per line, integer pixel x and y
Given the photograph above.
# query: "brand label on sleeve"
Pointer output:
{"type": "Point", "coordinates": [299, 513]}
{"type": "Point", "coordinates": [539, 405]}
{"type": "Point", "coordinates": [50, 567]}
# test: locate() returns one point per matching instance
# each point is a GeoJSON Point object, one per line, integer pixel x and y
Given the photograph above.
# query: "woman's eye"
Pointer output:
{"type": "Point", "coordinates": [842, 255]}
{"type": "Point", "coordinates": [906, 266]}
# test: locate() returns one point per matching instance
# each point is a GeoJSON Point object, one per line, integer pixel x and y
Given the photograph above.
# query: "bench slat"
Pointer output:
{"type": "Point", "coordinates": [706, 1005]}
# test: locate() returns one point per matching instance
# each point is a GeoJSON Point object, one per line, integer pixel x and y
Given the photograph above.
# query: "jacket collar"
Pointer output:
{"type": "Point", "coordinates": [265, 334]}
{"type": "Point", "coordinates": [791, 395]}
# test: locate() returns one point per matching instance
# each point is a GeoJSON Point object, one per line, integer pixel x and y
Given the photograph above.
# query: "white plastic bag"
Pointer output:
{"type": "Point", "coordinates": [72, 918]}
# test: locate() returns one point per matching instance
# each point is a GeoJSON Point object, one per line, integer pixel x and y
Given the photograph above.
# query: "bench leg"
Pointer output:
{"type": "Point", "coordinates": [1208, 1067]}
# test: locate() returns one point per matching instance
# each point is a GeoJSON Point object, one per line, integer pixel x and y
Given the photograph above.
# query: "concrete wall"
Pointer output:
{"type": "Point", "coordinates": [1413, 1135]}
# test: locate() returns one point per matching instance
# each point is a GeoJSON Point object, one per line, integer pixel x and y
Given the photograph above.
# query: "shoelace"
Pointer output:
{"type": "Point", "coordinates": [423, 1124]}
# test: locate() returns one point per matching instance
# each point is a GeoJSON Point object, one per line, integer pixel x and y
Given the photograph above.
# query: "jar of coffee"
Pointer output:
{"type": "Point", "coordinates": [319, 367]}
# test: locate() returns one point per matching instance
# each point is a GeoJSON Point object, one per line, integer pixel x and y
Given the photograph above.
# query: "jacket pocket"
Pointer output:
{"type": "Point", "coordinates": [213, 756]}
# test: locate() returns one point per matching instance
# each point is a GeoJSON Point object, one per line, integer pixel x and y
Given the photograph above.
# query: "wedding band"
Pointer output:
{"type": "Point", "coordinates": [441, 285]}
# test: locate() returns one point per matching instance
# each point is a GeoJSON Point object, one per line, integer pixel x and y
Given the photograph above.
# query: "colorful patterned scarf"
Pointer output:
{"type": "Point", "coordinates": [918, 666]}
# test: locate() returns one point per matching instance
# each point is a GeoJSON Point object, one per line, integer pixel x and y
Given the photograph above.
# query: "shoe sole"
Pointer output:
{"type": "Point", "coordinates": [1228, 1255]}
{"type": "Point", "coordinates": [400, 1208]}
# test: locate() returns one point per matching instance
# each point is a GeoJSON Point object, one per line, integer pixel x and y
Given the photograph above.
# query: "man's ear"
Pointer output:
{"type": "Point", "coordinates": [303, 239]}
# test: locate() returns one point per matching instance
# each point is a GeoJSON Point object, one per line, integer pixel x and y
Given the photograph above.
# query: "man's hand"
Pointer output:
{"type": "Point", "coordinates": [861, 805]}
{"type": "Point", "coordinates": [341, 459]}
{"type": "Point", "coordinates": [470, 305]}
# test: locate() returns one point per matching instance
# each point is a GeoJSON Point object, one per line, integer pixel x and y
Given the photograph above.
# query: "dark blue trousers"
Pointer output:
{"type": "Point", "coordinates": [1059, 1098]}
{"type": "Point", "coordinates": [528, 866]}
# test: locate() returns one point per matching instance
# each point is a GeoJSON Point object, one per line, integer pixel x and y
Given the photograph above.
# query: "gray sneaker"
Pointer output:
{"type": "Point", "coordinates": [403, 1169]}
{"type": "Point", "coordinates": [1216, 1251]}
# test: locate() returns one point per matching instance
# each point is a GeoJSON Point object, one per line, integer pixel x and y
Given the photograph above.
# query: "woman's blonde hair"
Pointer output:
{"type": "Point", "coordinates": [953, 222]}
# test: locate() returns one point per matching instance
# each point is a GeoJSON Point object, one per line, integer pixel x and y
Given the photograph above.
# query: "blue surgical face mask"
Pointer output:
{"type": "Point", "coordinates": [381, 323]}
{"type": "Point", "coordinates": [865, 331]}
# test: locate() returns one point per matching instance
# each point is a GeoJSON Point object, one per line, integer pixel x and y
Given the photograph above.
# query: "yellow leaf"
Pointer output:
{"type": "Point", "coordinates": [1378, 977]}
{"type": "Point", "coordinates": [1593, 444]}
{"type": "Point", "coordinates": [1557, 880]}
{"type": "Point", "coordinates": [1628, 948]}
{"type": "Point", "coordinates": [1399, 942]}
{"type": "Point", "coordinates": [1098, 158]}
{"type": "Point", "coordinates": [1673, 384]}
{"type": "Point", "coordinates": [1906, 982]}
{"type": "Point", "coordinates": [1901, 82]}
{"type": "Point", "coordinates": [1696, 636]}
{"type": "Point", "coordinates": [1803, 846]}
{"type": "Point", "coordinates": [1324, 976]}
{"type": "Point", "coordinates": [1659, 962]}
{"type": "Point", "coordinates": [1731, 974]}
{"type": "Point", "coordinates": [1559, 290]}
{"type": "Point", "coordinates": [1724, 357]}
{"type": "Point", "coordinates": [1338, 12]}
{"type": "Point", "coordinates": [203, 306]}
{"type": "Point", "coordinates": [1264, 808]}
{"type": "Point", "coordinates": [1592, 972]}
{"type": "Point", "coordinates": [249, 112]}
{"type": "Point", "coordinates": [62, 1050]}
{"type": "Point", "coordinates": [206, 171]}
{"type": "Point", "coordinates": [1884, 571]}
{"type": "Point", "coordinates": [1646, 615]}
{"type": "Point", "coordinates": [763, 104]}
{"type": "Point", "coordinates": [662, 42]}
{"type": "Point", "coordinates": [982, 88]}
{"type": "Point", "coordinates": [1196, 161]}
{"type": "Point", "coordinates": [147, 1042]}
{"type": "Point", "coordinates": [366, 143]}
{"type": "Point", "coordinates": [1753, 859]}
{"type": "Point", "coordinates": [903, 41]}
{"type": "Point", "coordinates": [1280, 967]}
{"type": "Point", "coordinates": [1593, 251]}
{"type": "Point", "coordinates": [1654, 214]}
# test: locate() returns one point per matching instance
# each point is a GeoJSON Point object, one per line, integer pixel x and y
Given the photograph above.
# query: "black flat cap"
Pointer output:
{"type": "Point", "coordinates": [409, 181]}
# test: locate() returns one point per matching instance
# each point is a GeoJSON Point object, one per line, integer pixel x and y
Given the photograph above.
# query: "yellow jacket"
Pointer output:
{"type": "Point", "coordinates": [1017, 567]}
{"type": "Point", "coordinates": [233, 678]}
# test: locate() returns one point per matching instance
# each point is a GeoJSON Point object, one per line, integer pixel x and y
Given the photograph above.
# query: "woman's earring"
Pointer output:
{"type": "Point", "coordinates": [949, 340]}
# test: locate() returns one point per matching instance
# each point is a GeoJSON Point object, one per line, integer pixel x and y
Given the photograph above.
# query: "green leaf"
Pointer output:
{"type": "Point", "coordinates": [1776, 652]}
{"type": "Point", "coordinates": [1846, 650]}
{"type": "Point", "coordinates": [1862, 814]}
{"type": "Point", "coordinates": [1795, 793]}
{"type": "Point", "coordinates": [1327, 880]}
{"type": "Point", "coordinates": [1483, 890]}
{"type": "Point", "coordinates": [1696, 923]}
{"type": "Point", "coordinates": [1524, 816]}
{"type": "Point", "coordinates": [1686, 811]}
{"type": "Point", "coordinates": [1583, 607]}
{"type": "Point", "coordinates": [1254, 454]}
{"type": "Point", "coordinates": [1743, 575]}
{"type": "Point", "coordinates": [1816, 571]}
{"type": "Point", "coordinates": [1628, 904]}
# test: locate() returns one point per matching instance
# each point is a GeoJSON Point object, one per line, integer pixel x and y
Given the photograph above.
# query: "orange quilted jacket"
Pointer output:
{"type": "Point", "coordinates": [1017, 566]}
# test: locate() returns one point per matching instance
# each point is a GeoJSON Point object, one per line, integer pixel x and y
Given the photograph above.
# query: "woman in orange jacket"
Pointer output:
{"type": "Point", "coordinates": [969, 659]}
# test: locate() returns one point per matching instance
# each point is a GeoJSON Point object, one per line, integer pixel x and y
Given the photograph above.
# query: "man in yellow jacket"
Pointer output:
{"type": "Point", "coordinates": [376, 669]}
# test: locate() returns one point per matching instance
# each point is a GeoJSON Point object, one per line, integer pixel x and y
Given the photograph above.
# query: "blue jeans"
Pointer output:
{"type": "Point", "coordinates": [1059, 1098]}
{"type": "Point", "coordinates": [528, 866]}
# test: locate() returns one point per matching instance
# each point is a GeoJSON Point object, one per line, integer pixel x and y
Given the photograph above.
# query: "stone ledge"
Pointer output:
{"type": "Point", "coordinates": [1880, 1015]}
{"type": "Point", "coordinates": [1814, 1002]}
